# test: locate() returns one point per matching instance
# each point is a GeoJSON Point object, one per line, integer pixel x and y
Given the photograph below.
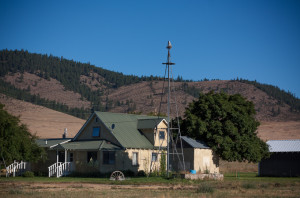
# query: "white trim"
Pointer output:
{"type": "Point", "coordinates": [163, 120]}
{"type": "Point", "coordinates": [60, 143]}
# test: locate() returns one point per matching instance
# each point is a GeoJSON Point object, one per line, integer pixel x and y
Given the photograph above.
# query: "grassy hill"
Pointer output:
{"type": "Point", "coordinates": [42, 121]}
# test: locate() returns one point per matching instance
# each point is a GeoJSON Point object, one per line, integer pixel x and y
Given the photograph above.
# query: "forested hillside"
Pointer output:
{"type": "Point", "coordinates": [76, 88]}
{"type": "Point", "coordinates": [67, 72]}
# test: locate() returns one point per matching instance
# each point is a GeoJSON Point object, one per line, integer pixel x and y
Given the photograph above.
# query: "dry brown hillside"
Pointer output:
{"type": "Point", "coordinates": [48, 89]}
{"type": "Point", "coordinates": [44, 122]}
{"type": "Point", "coordinates": [145, 97]}
{"type": "Point", "coordinates": [47, 123]}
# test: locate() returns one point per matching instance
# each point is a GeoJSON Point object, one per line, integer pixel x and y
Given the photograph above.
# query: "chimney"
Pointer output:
{"type": "Point", "coordinates": [65, 133]}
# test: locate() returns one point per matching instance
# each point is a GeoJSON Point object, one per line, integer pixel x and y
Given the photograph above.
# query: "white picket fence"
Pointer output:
{"type": "Point", "coordinates": [16, 168]}
{"type": "Point", "coordinates": [59, 169]}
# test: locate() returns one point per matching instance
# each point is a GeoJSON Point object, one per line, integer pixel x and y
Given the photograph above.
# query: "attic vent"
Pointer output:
{"type": "Point", "coordinates": [112, 126]}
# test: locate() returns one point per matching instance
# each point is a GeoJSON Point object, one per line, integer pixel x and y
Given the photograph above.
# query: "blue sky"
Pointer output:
{"type": "Point", "coordinates": [225, 39]}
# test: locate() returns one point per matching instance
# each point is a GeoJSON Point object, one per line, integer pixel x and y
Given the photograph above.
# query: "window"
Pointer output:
{"type": "Point", "coordinates": [71, 157]}
{"type": "Point", "coordinates": [161, 135]}
{"type": "Point", "coordinates": [92, 156]}
{"type": "Point", "coordinates": [135, 159]}
{"type": "Point", "coordinates": [108, 157]}
{"type": "Point", "coordinates": [96, 131]}
{"type": "Point", "coordinates": [97, 119]}
{"type": "Point", "coordinates": [154, 157]}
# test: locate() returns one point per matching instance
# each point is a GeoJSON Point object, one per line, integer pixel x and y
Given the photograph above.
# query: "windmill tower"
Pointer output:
{"type": "Point", "coordinates": [175, 156]}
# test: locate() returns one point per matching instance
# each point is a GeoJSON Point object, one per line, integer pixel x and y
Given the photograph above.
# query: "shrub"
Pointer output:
{"type": "Point", "coordinates": [163, 165]}
{"type": "Point", "coordinates": [141, 173]}
{"type": "Point", "coordinates": [128, 173]}
{"type": "Point", "coordinates": [15, 191]}
{"type": "Point", "coordinates": [249, 185]}
{"type": "Point", "coordinates": [89, 174]}
{"type": "Point", "coordinates": [40, 174]}
{"type": "Point", "coordinates": [206, 171]}
{"type": "Point", "coordinates": [28, 174]}
{"type": "Point", "coordinates": [205, 188]}
{"type": "Point", "coordinates": [264, 185]}
{"type": "Point", "coordinates": [154, 173]}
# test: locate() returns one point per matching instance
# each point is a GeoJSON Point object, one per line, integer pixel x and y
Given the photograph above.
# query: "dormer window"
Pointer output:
{"type": "Point", "coordinates": [161, 135]}
{"type": "Point", "coordinates": [96, 132]}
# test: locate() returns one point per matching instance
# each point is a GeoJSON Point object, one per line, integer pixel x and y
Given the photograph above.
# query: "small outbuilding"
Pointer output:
{"type": "Point", "coordinates": [284, 160]}
{"type": "Point", "coordinates": [199, 156]}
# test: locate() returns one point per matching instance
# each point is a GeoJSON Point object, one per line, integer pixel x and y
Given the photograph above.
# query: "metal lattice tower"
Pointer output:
{"type": "Point", "coordinates": [172, 142]}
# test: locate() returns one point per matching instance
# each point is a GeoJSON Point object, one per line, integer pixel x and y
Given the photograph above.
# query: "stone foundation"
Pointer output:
{"type": "Point", "coordinates": [212, 176]}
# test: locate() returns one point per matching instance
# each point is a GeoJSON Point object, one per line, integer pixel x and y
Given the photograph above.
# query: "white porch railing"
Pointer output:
{"type": "Point", "coordinates": [16, 168]}
{"type": "Point", "coordinates": [64, 169]}
{"type": "Point", "coordinates": [52, 170]}
{"type": "Point", "coordinates": [59, 169]}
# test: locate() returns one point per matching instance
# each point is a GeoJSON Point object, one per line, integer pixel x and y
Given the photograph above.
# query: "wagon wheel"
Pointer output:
{"type": "Point", "coordinates": [117, 175]}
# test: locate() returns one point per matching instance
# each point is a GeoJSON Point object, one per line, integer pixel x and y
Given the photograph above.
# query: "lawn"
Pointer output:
{"type": "Point", "coordinates": [234, 185]}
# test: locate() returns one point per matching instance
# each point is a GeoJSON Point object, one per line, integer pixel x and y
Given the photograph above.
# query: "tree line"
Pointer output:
{"type": "Point", "coordinates": [277, 93]}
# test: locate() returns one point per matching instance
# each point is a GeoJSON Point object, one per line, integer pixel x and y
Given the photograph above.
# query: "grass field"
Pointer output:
{"type": "Point", "coordinates": [245, 185]}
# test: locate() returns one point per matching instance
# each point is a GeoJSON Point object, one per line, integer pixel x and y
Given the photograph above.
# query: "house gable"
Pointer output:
{"type": "Point", "coordinates": [155, 130]}
{"type": "Point", "coordinates": [160, 134]}
{"type": "Point", "coordinates": [87, 131]}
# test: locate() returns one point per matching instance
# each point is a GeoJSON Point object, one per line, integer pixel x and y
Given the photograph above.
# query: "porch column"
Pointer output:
{"type": "Point", "coordinates": [56, 163]}
{"type": "Point", "coordinates": [66, 155]}
{"type": "Point", "coordinates": [56, 156]}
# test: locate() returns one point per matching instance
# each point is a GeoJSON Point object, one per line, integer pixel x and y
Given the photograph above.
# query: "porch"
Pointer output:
{"type": "Point", "coordinates": [84, 156]}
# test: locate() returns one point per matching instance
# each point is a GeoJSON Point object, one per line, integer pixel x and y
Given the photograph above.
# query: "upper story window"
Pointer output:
{"type": "Point", "coordinates": [96, 132]}
{"type": "Point", "coordinates": [97, 119]}
{"type": "Point", "coordinates": [161, 135]}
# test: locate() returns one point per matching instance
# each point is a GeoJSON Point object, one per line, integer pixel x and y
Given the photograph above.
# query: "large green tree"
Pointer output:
{"type": "Point", "coordinates": [16, 142]}
{"type": "Point", "coordinates": [227, 124]}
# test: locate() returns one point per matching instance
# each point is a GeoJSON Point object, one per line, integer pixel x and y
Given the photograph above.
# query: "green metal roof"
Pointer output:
{"type": "Point", "coordinates": [88, 145]}
{"type": "Point", "coordinates": [47, 143]}
{"type": "Point", "coordinates": [148, 123]}
{"type": "Point", "coordinates": [125, 128]}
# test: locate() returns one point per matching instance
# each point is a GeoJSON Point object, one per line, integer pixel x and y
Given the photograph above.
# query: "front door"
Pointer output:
{"type": "Point", "coordinates": [61, 156]}
{"type": "Point", "coordinates": [71, 160]}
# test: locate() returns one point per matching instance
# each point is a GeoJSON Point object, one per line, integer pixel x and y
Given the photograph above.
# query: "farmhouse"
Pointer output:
{"type": "Point", "coordinates": [115, 141]}
{"type": "Point", "coordinates": [284, 160]}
